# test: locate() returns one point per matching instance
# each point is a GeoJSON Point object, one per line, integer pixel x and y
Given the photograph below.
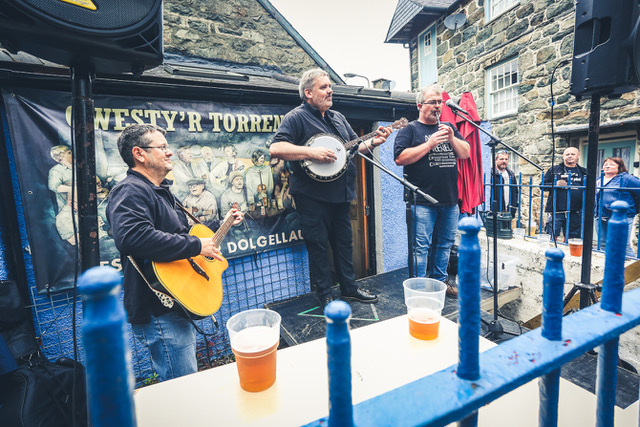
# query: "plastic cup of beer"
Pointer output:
{"type": "Point", "coordinates": [254, 336]}
{"type": "Point", "coordinates": [544, 240]}
{"type": "Point", "coordinates": [424, 299]}
{"type": "Point", "coordinates": [575, 247]}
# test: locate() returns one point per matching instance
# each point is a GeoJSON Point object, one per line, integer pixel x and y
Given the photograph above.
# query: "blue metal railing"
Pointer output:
{"type": "Point", "coordinates": [537, 195]}
{"type": "Point", "coordinates": [462, 389]}
{"type": "Point", "coordinates": [478, 379]}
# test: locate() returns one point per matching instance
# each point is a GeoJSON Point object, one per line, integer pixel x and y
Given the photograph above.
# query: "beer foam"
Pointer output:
{"type": "Point", "coordinates": [254, 339]}
{"type": "Point", "coordinates": [424, 315]}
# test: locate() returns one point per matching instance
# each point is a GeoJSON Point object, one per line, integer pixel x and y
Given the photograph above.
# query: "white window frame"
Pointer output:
{"type": "Point", "coordinates": [502, 91]}
{"type": "Point", "coordinates": [427, 44]}
{"type": "Point", "coordinates": [495, 8]}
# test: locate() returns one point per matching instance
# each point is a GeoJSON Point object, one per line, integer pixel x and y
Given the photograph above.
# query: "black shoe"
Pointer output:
{"type": "Point", "coordinates": [324, 302]}
{"type": "Point", "coordinates": [362, 296]}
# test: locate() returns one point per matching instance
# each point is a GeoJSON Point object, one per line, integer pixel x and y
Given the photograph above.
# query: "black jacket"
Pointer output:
{"type": "Point", "coordinates": [148, 225]}
{"type": "Point", "coordinates": [514, 200]}
{"type": "Point", "coordinates": [577, 179]}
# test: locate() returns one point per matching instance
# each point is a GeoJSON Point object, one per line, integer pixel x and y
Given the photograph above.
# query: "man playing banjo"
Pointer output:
{"type": "Point", "coordinates": [323, 205]}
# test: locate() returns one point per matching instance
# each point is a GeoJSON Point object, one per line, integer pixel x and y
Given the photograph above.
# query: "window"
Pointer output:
{"type": "Point", "coordinates": [427, 44]}
{"type": "Point", "coordinates": [497, 7]}
{"type": "Point", "coordinates": [623, 148]}
{"type": "Point", "coordinates": [502, 89]}
{"type": "Point", "coordinates": [427, 59]}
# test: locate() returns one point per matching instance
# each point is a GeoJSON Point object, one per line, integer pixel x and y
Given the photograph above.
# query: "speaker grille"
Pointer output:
{"type": "Point", "coordinates": [109, 16]}
{"type": "Point", "coordinates": [120, 36]}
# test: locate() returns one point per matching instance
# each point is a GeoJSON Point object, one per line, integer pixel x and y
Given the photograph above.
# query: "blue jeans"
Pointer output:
{"type": "Point", "coordinates": [602, 232]}
{"type": "Point", "coordinates": [171, 341]}
{"type": "Point", "coordinates": [437, 224]}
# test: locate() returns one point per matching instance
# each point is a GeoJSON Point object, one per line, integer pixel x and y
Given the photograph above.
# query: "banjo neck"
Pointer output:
{"type": "Point", "coordinates": [360, 139]}
{"type": "Point", "coordinates": [398, 124]}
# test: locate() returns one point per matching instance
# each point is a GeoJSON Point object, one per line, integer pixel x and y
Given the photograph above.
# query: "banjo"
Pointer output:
{"type": "Point", "coordinates": [326, 172]}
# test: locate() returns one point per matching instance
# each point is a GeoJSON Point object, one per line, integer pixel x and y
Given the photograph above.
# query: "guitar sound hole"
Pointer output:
{"type": "Point", "coordinates": [209, 258]}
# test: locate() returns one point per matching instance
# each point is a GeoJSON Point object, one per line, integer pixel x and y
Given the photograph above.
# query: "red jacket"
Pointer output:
{"type": "Point", "coordinates": [470, 186]}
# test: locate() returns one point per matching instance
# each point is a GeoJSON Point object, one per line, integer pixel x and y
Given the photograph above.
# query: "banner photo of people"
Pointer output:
{"type": "Point", "coordinates": [220, 157]}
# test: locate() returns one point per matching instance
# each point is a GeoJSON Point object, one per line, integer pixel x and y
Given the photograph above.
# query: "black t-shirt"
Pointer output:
{"type": "Point", "coordinates": [437, 172]}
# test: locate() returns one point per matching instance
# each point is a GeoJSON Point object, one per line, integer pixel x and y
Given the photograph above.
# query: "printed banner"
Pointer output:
{"type": "Point", "coordinates": [221, 157]}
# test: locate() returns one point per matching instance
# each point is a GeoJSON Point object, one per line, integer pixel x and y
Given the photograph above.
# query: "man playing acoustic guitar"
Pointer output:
{"type": "Point", "coordinates": [148, 225]}
{"type": "Point", "coordinates": [323, 206]}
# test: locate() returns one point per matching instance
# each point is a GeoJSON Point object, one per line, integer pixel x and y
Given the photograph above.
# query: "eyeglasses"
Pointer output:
{"type": "Point", "coordinates": [163, 148]}
{"type": "Point", "coordinates": [434, 102]}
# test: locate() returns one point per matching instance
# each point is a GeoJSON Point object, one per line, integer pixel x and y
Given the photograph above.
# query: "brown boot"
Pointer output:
{"type": "Point", "coordinates": [452, 291]}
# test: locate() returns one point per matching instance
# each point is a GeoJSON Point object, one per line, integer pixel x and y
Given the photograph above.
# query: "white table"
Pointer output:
{"type": "Point", "coordinates": [384, 357]}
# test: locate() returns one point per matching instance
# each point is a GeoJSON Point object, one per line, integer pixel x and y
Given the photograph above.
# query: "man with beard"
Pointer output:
{"type": "Point", "coordinates": [506, 185]}
{"type": "Point", "coordinates": [428, 150]}
{"type": "Point", "coordinates": [323, 206]}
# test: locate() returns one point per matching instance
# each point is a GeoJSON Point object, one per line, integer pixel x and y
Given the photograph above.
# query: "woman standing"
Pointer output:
{"type": "Point", "coordinates": [617, 184]}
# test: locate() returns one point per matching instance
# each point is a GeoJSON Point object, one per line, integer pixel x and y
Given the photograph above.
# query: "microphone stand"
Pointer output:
{"type": "Point", "coordinates": [408, 185]}
{"type": "Point", "coordinates": [494, 328]}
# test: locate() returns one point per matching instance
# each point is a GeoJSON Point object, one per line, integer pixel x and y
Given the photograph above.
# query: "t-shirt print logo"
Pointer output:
{"type": "Point", "coordinates": [444, 147]}
{"type": "Point", "coordinates": [440, 148]}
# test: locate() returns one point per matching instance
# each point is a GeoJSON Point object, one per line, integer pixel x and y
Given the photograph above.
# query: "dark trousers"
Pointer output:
{"type": "Point", "coordinates": [575, 224]}
{"type": "Point", "coordinates": [325, 225]}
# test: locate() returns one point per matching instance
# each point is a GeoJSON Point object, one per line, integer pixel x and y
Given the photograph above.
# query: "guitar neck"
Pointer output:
{"type": "Point", "coordinates": [223, 230]}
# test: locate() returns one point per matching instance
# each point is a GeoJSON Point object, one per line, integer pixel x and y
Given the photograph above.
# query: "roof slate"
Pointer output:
{"type": "Point", "coordinates": [407, 11]}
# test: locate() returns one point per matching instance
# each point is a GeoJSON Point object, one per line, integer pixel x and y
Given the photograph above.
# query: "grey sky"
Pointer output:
{"type": "Point", "coordinates": [349, 35]}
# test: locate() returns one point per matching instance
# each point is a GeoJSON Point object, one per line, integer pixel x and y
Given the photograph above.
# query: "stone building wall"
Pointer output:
{"type": "Point", "coordinates": [530, 261]}
{"type": "Point", "coordinates": [237, 31]}
{"type": "Point", "coordinates": [540, 34]}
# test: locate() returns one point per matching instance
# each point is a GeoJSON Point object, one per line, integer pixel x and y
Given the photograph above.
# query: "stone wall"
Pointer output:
{"type": "Point", "coordinates": [530, 264]}
{"type": "Point", "coordinates": [237, 31]}
{"type": "Point", "coordinates": [540, 34]}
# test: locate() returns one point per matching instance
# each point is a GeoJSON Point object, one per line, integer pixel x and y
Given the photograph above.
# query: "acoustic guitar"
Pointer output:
{"type": "Point", "coordinates": [326, 172]}
{"type": "Point", "coordinates": [195, 282]}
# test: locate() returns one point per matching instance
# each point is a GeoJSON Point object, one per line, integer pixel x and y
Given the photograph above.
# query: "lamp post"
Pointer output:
{"type": "Point", "coordinates": [349, 75]}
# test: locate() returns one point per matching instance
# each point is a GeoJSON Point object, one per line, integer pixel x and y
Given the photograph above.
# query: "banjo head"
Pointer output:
{"type": "Point", "coordinates": [326, 171]}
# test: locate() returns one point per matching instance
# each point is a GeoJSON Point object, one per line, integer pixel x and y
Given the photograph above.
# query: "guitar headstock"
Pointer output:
{"type": "Point", "coordinates": [400, 123]}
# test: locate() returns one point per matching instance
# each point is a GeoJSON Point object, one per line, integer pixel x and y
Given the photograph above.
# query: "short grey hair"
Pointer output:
{"type": "Point", "coordinates": [434, 87]}
{"type": "Point", "coordinates": [308, 79]}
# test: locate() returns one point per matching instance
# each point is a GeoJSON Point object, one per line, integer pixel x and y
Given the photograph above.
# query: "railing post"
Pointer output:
{"type": "Point", "coordinates": [530, 202]}
{"type": "Point", "coordinates": [339, 363]}
{"type": "Point", "coordinates": [469, 299]}
{"type": "Point", "coordinates": [519, 223]}
{"type": "Point", "coordinates": [611, 300]}
{"type": "Point", "coordinates": [616, 247]}
{"type": "Point", "coordinates": [110, 380]}
{"type": "Point", "coordinates": [469, 315]}
{"type": "Point", "coordinates": [552, 301]}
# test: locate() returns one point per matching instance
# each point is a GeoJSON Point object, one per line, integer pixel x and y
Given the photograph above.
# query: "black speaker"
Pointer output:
{"type": "Point", "coordinates": [109, 36]}
{"type": "Point", "coordinates": [605, 47]}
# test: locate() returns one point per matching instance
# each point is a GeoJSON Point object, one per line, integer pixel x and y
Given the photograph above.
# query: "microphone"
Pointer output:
{"type": "Point", "coordinates": [455, 107]}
